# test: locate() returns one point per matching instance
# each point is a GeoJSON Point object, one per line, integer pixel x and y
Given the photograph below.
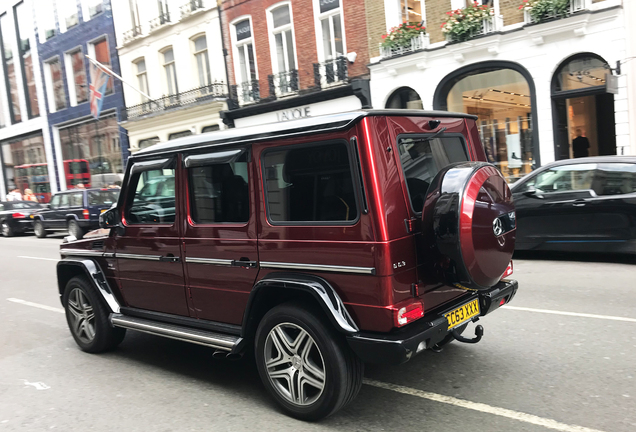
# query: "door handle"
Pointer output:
{"type": "Point", "coordinates": [579, 203]}
{"type": "Point", "coordinates": [169, 258]}
{"type": "Point", "coordinates": [244, 262]}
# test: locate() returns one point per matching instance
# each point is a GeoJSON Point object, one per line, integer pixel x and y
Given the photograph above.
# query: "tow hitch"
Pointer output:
{"type": "Point", "coordinates": [479, 332]}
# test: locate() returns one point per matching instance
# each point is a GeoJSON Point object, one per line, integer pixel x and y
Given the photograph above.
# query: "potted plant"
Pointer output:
{"type": "Point", "coordinates": [401, 37]}
{"type": "Point", "coordinates": [462, 24]}
{"type": "Point", "coordinates": [543, 10]}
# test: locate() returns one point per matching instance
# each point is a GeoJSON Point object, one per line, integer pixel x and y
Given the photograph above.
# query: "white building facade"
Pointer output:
{"type": "Point", "coordinates": [171, 51]}
{"type": "Point", "coordinates": [27, 161]}
{"type": "Point", "coordinates": [534, 86]}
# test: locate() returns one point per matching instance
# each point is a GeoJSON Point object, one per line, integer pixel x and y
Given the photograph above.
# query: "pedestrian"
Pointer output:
{"type": "Point", "coordinates": [580, 145]}
{"type": "Point", "coordinates": [29, 195]}
{"type": "Point", "coordinates": [14, 195]}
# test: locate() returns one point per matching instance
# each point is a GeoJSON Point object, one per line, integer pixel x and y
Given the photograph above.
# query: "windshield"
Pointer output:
{"type": "Point", "coordinates": [423, 158]}
{"type": "Point", "coordinates": [102, 197]}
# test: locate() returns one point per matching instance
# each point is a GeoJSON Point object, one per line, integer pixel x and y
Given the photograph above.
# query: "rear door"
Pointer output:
{"type": "Point", "coordinates": [149, 251]}
{"type": "Point", "coordinates": [75, 206]}
{"type": "Point", "coordinates": [58, 211]}
{"type": "Point", "coordinates": [220, 241]}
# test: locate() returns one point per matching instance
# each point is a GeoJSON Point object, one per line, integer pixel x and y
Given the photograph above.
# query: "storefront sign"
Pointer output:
{"type": "Point", "coordinates": [611, 83]}
{"type": "Point", "coordinates": [243, 30]}
{"type": "Point", "coordinates": [294, 113]}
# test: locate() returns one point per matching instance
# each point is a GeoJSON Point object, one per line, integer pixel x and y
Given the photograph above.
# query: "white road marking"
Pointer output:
{"type": "Point", "coordinates": [38, 385]}
{"type": "Point", "coordinates": [576, 314]}
{"type": "Point", "coordinates": [40, 258]}
{"type": "Point", "coordinates": [37, 305]}
{"type": "Point", "coordinates": [502, 412]}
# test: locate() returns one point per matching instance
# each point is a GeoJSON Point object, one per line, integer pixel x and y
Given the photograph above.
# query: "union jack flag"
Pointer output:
{"type": "Point", "coordinates": [99, 81]}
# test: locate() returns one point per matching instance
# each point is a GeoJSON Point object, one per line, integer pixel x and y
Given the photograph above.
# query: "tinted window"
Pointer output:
{"type": "Point", "coordinates": [102, 197]}
{"type": "Point", "coordinates": [423, 158]}
{"type": "Point", "coordinates": [310, 184]}
{"type": "Point", "coordinates": [55, 201]}
{"type": "Point", "coordinates": [154, 199]}
{"type": "Point", "coordinates": [565, 178]}
{"type": "Point", "coordinates": [615, 179]}
{"type": "Point", "coordinates": [76, 199]}
{"type": "Point", "coordinates": [219, 193]}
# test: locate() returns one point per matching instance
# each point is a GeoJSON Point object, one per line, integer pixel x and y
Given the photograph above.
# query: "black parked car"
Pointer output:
{"type": "Point", "coordinates": [585, 204]}
{"type": "Point", "coordinates": [76, 211]}
{"type": "Point", "coordinates": [15, 216]}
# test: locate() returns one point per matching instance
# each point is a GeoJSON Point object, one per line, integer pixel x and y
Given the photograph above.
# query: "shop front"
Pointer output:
{"type": "Point", "coordinates": [25, 166]}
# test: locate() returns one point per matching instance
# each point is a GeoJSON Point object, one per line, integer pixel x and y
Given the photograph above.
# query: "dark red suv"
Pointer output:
{"type": "Point", "coordinates": [319, 244]}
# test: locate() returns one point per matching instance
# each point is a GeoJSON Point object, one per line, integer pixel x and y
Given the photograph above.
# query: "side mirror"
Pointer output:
{"type": "Point", "coordinates": [109, 219]}
{"type": "Point", "coordinates": [532, 192]}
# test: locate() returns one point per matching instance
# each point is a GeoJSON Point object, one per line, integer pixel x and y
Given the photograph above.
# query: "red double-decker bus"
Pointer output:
{"type": "Point", "coordinates": [77, 172]}
{"type": "Point", "coordinates": [34, 177]}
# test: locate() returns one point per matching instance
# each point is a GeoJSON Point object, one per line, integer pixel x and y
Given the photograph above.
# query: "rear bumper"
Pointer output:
{"type": "Point", "coordinates": [400, 346]}
{"type": "Point", "coordinates": [21, 225]}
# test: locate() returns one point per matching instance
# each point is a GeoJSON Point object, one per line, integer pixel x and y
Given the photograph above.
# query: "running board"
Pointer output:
{"type": "Point", "coordinates": [219, 341]}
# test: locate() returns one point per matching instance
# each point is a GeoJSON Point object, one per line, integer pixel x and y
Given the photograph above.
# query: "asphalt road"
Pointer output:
{"type": "Point", "coordinates": [536, 369]}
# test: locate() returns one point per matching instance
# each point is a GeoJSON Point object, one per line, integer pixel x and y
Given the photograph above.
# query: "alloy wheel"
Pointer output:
{"type": "Point", "coordinates": [294, 363]}
{"type": "Point", "coordinates": [82, 317]}
{"type": "Point", "coordinates": [5, 229]}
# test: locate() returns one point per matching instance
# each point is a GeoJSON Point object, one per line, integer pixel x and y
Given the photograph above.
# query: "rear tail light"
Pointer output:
{"type": "Point", "coordinates": [409, 313]}
{"type": "Point", "coordinates": [508, 271]}
{"type": "Point", "coordinates": [85, 213]}
{"type": "Point", "coordinates": [18, 215]}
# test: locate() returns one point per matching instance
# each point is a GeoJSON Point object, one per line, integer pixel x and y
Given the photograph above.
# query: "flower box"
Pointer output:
{"type": "Point", "coordinates": [416, 43]}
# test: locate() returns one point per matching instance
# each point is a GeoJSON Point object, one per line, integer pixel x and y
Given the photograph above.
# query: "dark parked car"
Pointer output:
{"type": "Point", "coordinates": [584, 205]}
{"type": "Point", "coordinates": [319, 244]}
{"type": "Point", "coordinates": [15, 216]}
{"type": "Point", "coordinates": [76, 211]}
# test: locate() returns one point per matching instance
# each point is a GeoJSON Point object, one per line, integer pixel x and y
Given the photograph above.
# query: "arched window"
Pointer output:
{"type": "Point", "coordinates": [502, 95]}
{"type": "Point", "coordinates": [404, 97]}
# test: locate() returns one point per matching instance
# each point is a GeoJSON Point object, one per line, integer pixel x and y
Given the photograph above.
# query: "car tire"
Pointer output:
{"type": "Point", "coordinates": [38, 229]}
{"type": "Point", "coordinates": [87, 318]}
{"type": "Point", "coordinates": [75, 230]}
{"type": "Point", "coordinates": [7, 230]}
{"type": "Point", "coordinates": [304, 363]}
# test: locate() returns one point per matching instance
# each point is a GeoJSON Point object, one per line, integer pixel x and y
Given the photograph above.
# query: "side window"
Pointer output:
{"type": "Point", "coordinates": [76, 199]}
{"type": "Point", "coordinates": [154, 199]}
{"type": "Point", "coordinates": [55, 201]}
{"type": "Point", "coordinates": [615, 179]}
{"type": "Point", "coordinates": [310, 184]}
{"type": "Point", "coordinates": [566, 178]}
{"type": "Point", "coordinates": [219, 193]}
{"type": "Point", "coordinates": [64, 201]}
{"type": "Point", "coordinates": [422, 158]}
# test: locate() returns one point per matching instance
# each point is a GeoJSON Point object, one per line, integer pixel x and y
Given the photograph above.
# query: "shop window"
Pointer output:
{"type": "Point", "coordinates": [330, 30]}
{"type": "Point", "coordinates": [202, 60]}
{"type": "Point", "coordinates": [55, 84]}
{"type": "Point", "coordinates": [23, 34]}
{"type": "Point", "coordinates": [581, 73]}
{"type": "Point", "coordinates": [76, 74]}
{"type": "Point", "coordinates": [8, 63]}
{"type": "Point", "coordinates": [25, 166]}
{"type": "Point", "coordinates": [101, 53]}
{"type": "Point", "coordinates": [404, 98]}
{"type": "Point", "coordinates": [502, 99]}
{"type": "Point", "coordinates": [310, 184]}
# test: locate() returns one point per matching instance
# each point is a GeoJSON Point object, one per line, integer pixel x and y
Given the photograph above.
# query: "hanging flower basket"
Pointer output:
{"type": "Point", "coordinates": [463, 24]}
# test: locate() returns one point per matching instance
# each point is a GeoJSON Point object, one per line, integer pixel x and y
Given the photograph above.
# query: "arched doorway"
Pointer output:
{"type": "Point", "coordinates": [404, 97]}
{"type": "Point", "coordinates": [582, 109]}
{"type": "Point", "coordinates": [502, 95]}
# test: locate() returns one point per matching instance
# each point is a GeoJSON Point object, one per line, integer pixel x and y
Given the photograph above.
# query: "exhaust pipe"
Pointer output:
{"type": "Point", "coordinates": [224, 355]}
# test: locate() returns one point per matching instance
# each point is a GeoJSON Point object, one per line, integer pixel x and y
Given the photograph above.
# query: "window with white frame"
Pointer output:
{"type": "Point", "coordinates": [245, 60]}
{"type": "Point", "coordinates": [411, 11]}
{"type": "Point", "coordinates": [67, 14]}
{"type": "Point", "coordinates": [142, 77]}
{"type": "Point", "coordinates": [280, 22]}
{"type": "Point", "coordinates": [46, 20]}
{"type": "Point", "coordinates": [100, 52]}
{"type": "Point", "coordinates": [202, 61]}
{"type": "Point", "coordinates": [90, 8]}
{"type": "Point", "coordinates": [330, 30]}
{"type": "Point", "coordinates": [55, 84]}
{"type": "Point", "coordinates": [170, 71]}
{"type": "Point", "coordinates": [76, 76]}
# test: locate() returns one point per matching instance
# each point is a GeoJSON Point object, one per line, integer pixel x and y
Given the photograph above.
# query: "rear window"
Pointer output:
{"type": "Point", "coordinates": [96, 198]}
{"type": "Point", "coordinates": [422, 158]}
{"type": "Point", "coordinates": [310, 184]}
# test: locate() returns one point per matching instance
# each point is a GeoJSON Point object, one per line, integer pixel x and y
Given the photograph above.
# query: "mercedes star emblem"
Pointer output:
{"type": "Point", "coordinates": [497, 227]}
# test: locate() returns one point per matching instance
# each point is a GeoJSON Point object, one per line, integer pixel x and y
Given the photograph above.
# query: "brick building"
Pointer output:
{"type": "Point", "coordinates": [290, 59]}
{"type": "Point", "coordinates": [536, 82]}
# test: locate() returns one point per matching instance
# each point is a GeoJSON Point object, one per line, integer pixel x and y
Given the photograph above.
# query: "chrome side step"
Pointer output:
{"type": "Point", "coordinates": [202, 337]}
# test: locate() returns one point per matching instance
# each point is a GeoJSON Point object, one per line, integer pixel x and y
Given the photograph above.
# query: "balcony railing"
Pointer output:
{"type": "Point", "coordinates": [161, 20]}
{"type": "Point", "coordinates": [416, 43]}
{"type": "Point", "coordinates": [331, 72]}
{"type": "Point", "coordinates": [575, 6]}
{"type": "Point", "coordinates": [190, 7]}
{"type": "Point", "coordinates": [488, 25]}
{"type": "Point", "coordinates": [246, 92]}
{"type": "Point", "coordinates": [283, 83]}
{"type": "Point", "coordinates": [217, 90]}
{"type": "Point", "coordinates": [132, 33]}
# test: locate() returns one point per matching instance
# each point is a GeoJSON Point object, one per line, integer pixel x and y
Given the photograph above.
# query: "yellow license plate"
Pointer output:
{"type": "Point", "coordinates": [462, 314]}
